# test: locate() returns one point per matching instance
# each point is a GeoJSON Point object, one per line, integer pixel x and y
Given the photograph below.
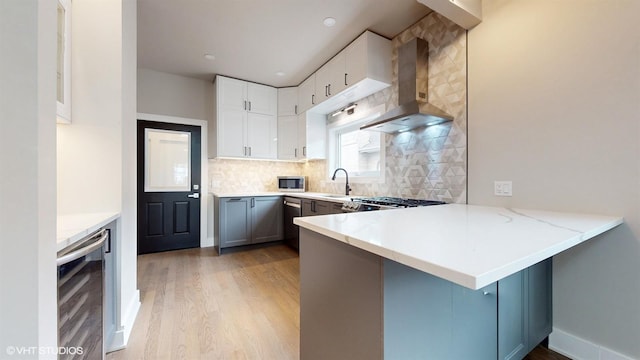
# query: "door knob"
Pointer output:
{"type": "Point", "coordinates": [195, 196]}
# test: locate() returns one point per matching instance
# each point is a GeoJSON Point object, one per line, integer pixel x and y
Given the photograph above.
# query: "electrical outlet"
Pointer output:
{"type": "Point", "coordinates": [502, 188]}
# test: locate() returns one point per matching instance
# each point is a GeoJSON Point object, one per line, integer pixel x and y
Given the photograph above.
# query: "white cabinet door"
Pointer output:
{"type": "Point", "coordinates": [302, 136]}
{"type": "Point", "coordinates": [262, 132]}
{"type": "Point", "coordinates": [287, 101]}
{"type": "Point", "coordinates": [337, 72]}
{"type": "Point", "coordinates": [312, 135]}
{"type": "Point", "coordinates": [262, 99]}
{"type": "Point", "coordinates": [231, 132]}
{"type": "Point", "coordinates": [322, 83]}
{"type": "Point", "coordinates": [356, 60]}
{"type": "Point", "coordinates": [307, 94]}
{"type": "Point", "coordinates": [288, 137]}
{"type": "Point", "coordinates": [232, 93]}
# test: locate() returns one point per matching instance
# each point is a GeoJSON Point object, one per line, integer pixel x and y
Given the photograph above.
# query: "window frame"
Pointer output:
{"type": "Point", "coordinates": [347, 124]}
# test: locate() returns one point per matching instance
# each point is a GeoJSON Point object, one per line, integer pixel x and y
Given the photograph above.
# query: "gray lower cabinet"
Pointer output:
{"type": "Point", "coordinates": [524, 314]}
{"type": "Point", "coordinates": [426, 317]}
{"type": "Point", "coordinates": [354, 302]}
{"type": "Point", "coordinates": [267, 219]}
{"type": "Point", "coordinates": [320, 207]}
{"type": "Point", "coordinates": [248, 220]}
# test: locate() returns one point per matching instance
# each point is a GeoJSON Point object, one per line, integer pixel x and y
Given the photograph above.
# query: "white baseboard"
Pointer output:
{"type": "Point", "coordinates": [121, 336]}
{"type": "Point", "coordinates": [207, 243]}
{"type": "Point", "coordinates": [580, 349]}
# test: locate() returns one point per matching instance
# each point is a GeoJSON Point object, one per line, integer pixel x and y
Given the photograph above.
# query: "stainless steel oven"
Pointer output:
{"type": "Point", "coordinates": [81, 298]}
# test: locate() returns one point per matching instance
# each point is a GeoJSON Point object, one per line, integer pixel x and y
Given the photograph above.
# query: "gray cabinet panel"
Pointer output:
{"type": "Point", "coordinates": [512, 317]}
{"type": "Point", "coordinates": [267, 220]}
{"type": "Point", "coordinates": [340, 300]}
{"type": "Point", "coordinates": [540, 302]}
{"type": "Point", "coordinates": [474, 332]}
{"type": "Point", "coordinates": [426, 317]}
{"type": "Point", "coordinates": [524, 311]}
{"type": "Point", "coordinates": [320, 207]}
{"type": "Point", "coordinates": [235, 222]}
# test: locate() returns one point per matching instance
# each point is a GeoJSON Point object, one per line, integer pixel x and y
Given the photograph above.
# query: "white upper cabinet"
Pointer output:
{"type": "Point", "coordinates": [288, 101]}
{"type": "Point", "coordinates": [63, 71]}
{"type": "Point", "coordinates": [361, 69]}
{"type": "Point", "coordinates": [245, 123]}
{"type": "Point", "coordinates": [262, 99]}
{"type": "Point", "coordinates": [338, 73]}
{"type": "Point", "coordinates": [288, 123]}
{"type": "Point", "coordinates": [357, 59]}
{"type": "Point", "coordinates": [307, 94]}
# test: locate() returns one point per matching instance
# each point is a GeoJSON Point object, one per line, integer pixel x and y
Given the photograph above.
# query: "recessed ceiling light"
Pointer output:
{"type": "Point", "coordinates": [329, 22]}
{"type": "Point", "coordinates": [280, 73]}
{"type": "Point", "coordinates": [209, 57]}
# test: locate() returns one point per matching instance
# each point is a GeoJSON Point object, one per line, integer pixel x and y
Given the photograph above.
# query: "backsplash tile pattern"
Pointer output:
{"type": "Point", "coordinates": [227, 176]}
{"type": "Point", "coordinates": [425, 163]}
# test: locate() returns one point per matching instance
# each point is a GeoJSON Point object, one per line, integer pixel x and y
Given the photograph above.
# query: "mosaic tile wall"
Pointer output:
{"type": "Point", "coordinates": [245, 176]}
{"type": "Point", "coordinates": [425, 163]}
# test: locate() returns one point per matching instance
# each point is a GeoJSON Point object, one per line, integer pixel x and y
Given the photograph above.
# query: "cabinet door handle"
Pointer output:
{"type": "Point", "coordinates": [253, 202]}
{"type": "Point", "coordinates": [345, 79]}
{"type": "Point", "coordinates": [245, 151]}
{"type": "Point", "coordinates": [313, 99]}
{"type": "Point", "coordinates": [329, 91]}
{"type": "Point", "coordinates": [326, 90]}
{"type": "Point", "coordinates": [304, 151]}
{"type": "Point", "coordinates": [235, 199]}
{"type": "Point", "coordinates": [295, 152]}
{"type": "Point", "coordinates": [249, 105]}
{"type": "Point", "coordinates": [295, 109]}
{"type": "Point", "coordinates": [245, 104]}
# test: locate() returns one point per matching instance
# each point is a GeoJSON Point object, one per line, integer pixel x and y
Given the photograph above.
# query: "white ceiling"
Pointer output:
{"type": "Point", "coordinates": [254, 39]}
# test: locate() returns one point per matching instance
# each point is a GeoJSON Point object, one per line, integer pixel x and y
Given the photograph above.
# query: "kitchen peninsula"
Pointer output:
{"type": "Point", "coordinates": [450, 281]}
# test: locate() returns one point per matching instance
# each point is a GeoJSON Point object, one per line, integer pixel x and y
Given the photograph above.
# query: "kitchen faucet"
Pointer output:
{"type": "Point", "coordinates": [346, 185]}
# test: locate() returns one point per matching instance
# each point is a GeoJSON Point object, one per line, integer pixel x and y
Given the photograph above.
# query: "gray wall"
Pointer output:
{"type": "Point", "coordinates": [554, 94]}
{"type": "Point", "coordinates": [167, 94]}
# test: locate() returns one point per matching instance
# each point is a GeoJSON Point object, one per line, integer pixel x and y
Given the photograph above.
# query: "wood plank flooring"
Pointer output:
{"type": "Point", "coordinates": [242, 305]}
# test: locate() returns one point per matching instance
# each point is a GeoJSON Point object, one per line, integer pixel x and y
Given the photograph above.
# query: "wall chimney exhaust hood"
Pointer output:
{"type": "Point", "coordinates": [414, 110]}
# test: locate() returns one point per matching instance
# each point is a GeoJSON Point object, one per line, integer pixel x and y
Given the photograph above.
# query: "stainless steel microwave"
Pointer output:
{"type": "Point", "coordinates": [292, 183]}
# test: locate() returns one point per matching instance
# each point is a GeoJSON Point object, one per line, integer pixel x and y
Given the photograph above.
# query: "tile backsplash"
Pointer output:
{"type": "Point", "coordinates": [425, 163]}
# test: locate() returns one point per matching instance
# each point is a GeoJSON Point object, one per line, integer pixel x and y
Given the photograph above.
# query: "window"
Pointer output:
{"type": "Point", "coordinates": [360, 152]}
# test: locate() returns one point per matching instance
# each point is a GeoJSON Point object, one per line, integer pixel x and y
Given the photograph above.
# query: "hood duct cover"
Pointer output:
{"type": "Point", "coordinates": [414, 110]}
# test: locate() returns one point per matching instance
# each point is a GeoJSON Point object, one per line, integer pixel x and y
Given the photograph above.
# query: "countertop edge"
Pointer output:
{"type": "Point", "coordinates": [82, 225]}
{"type": "Point", "coordinates": [469, 280]}
{"type": "Point", "coordinates": [303, 195]}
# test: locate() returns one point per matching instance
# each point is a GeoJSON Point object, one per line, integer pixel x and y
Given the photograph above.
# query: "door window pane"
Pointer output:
{"type": "Point", "coordinates": [167, 163]}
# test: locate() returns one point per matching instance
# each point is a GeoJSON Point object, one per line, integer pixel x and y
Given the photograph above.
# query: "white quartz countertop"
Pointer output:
{"type": "Point", "coordinates": [74, 227]}
{"type": "Point", "coordinates": [305, 195]}
{"type": "Point", "coordinates": [469, 245]}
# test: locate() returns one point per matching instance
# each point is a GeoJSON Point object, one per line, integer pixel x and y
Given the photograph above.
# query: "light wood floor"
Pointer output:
{"type": "Point", "coordinates": [242, 305]}
{"type": "Point", "coordinates": [198, 305]}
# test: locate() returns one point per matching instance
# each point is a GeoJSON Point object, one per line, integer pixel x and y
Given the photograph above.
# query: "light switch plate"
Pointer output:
{"type": "Point", "coordinates": [502, 188]}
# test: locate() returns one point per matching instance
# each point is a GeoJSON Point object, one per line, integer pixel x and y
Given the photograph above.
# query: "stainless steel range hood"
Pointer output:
{"type": "Point", "coordinates": [414, 110]}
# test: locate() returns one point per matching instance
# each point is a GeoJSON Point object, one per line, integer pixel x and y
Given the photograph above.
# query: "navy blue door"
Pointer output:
{"type": "Point", "coordinates": [168, 186]}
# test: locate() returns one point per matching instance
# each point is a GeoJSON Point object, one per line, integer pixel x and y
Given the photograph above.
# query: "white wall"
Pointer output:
{"type": "Point", "coordinates": [27, 177]}
{"type": "Point", "coordinates": [129, 296]}
{"type": "Point", "coordinates": [554, 106]}
{"type": "Point", "coordinates": [89, 150]}
{"type": "Point", "coordinates": [167, 94]}
{"type": "Point", "coordinates": [96, 171]}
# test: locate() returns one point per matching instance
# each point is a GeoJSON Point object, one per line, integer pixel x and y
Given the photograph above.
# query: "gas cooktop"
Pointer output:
{"type": "Point", "coordinates": [385, 202]}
